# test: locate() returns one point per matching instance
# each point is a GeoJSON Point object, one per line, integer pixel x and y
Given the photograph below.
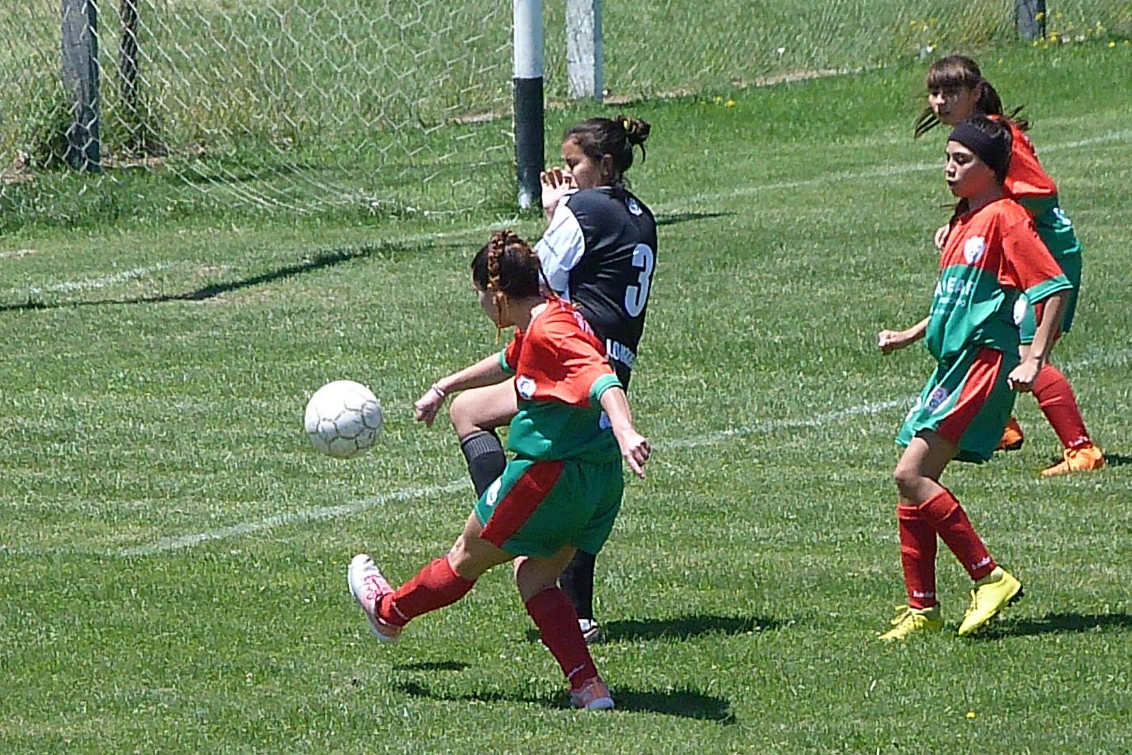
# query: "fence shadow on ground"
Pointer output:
{"type": "Point", "coordinates": [675, 218]}
{"type": "Point", "coordinates": [319, 261]}
{"type": "Point", "coordinates": [1057, 623]}
{"type": "Point", "coordinates": [684, 703]}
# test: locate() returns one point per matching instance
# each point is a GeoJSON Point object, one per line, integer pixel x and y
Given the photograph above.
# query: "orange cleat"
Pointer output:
{"type": "Point", "coordinates": [1012, 437]}
{"type": "Point", "coordinates": [1084, 458]}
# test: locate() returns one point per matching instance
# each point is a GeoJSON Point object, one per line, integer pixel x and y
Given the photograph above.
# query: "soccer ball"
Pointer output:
{"type": "Point", "coordinates": [343, 419]}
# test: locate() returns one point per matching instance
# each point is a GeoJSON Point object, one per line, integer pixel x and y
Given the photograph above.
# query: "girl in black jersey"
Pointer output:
{"type": "Point", "coordinates": [599, 253]}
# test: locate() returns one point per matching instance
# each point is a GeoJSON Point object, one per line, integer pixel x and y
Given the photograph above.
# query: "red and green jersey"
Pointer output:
{"type": "Point", "coordinates": [1026, 177]}
{"type": "Point", "coordinates": [992, 257]}
{"type": "Point", "coordinates": [561, 371]}
{"type": "Point", "coordinates": [1028, 182]}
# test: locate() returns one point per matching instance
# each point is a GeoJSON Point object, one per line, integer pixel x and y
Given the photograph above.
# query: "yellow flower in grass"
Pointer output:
{"type": "Point", "coordinates": [729, 103]}
{"type": "Point", "coordinates": [1113, 44]}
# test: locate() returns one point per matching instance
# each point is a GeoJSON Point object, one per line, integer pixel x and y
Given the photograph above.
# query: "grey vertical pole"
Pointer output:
{"type": "Point", "coordinates": [530, 121]}
{"type": "Point", "coordinates": [128, 71]}
{"type": "Point", "coordinates": [584, 49]}
{"type": "Point", "coordinates": [80, 76]}
{"type": "Point", "coordinates": [1031, 18]}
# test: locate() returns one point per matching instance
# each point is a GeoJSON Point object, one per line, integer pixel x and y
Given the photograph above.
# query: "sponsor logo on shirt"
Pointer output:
{"type": "Point", "coordinates": [619, 352]}
{"type": "Point", "coordinates": [634, 207]}
{"type": "Point", "coordinates": [525, 386]}
{"type": "Point", "coordinates": [974, 249]}
{"type": "Point", "coordinates": [603, 421]}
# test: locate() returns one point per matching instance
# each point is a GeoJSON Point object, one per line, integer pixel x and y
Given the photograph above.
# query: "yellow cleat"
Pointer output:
{"type": "Point", "coordinates": [1012, 437]}
{"type": "Point", "coordinates": [996, 592]}
{"type": "Point", "coordinates": [1084, 458]}
{"type": "Point", "coordinates": [910, 620]}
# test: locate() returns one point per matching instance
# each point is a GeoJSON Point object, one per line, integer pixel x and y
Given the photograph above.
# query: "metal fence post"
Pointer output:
{"type": "Point", "coordinates": [530, 117]}
{"type": "Point", "coordinates": [80, 76]}
{"type": "Point", "coordinates": [584, 49]}
{"type": "Point", "coordinates": [1031, 18]}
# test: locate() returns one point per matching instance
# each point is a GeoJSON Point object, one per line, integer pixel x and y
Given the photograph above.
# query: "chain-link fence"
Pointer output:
{"type": "Point", "coordinates": [302, 106]}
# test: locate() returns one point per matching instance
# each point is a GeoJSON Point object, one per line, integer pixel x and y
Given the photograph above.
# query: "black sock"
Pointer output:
{"type": "Point", "coordinates": [578, 583]}
{"type": "Point", "coordinates": [485, 458]}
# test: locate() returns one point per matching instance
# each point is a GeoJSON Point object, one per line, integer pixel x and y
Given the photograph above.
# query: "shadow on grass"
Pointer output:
{"type": "Point", "coordinates": [432, 666]}
{"type": "Point", "coordinates": [1116, 460]}
{"type": "Point", "coordinates": [680, 628]}
{"type": "Point", "coordinates": [675, 218]}
{"type": "Point", "coordinates": [319, 261]}
{"type": "Point", "coordinates": [1058, 623]}
{"type": "Point", "coordinates": [684, 703]}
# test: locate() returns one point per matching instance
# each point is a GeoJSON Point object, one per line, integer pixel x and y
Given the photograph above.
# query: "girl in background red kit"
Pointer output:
{"type": "Point", "coordinates": [957, 89]}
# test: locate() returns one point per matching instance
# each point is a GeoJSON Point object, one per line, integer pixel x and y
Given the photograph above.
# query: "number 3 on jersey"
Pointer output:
{"type": "Point", "coordinates": [636, 297]}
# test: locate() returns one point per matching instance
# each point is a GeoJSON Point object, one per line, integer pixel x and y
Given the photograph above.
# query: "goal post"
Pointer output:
{"type": "Point", "coordinates": [529, 115]}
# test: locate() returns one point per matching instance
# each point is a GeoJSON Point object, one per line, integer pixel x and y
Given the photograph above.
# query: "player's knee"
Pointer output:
{"type": "Point", "coordinates": [907, 478]}
{"type": "Point", "coordinates": [464, 414]}
{"type": "Point", "coordinates": [531, 578]}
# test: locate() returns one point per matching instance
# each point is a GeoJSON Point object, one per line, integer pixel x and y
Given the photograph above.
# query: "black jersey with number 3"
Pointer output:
{"type": "Point", "coordinates": [599, 252]}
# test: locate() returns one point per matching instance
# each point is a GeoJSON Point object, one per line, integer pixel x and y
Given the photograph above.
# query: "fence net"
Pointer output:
{"type": "Point", "coordinates": [313, 106]}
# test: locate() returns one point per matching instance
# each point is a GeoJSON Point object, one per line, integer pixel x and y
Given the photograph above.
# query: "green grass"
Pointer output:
{"type": "Point", "coordinates": [335, 109]}
{"type": "Point", "coordinates": [155, 371]}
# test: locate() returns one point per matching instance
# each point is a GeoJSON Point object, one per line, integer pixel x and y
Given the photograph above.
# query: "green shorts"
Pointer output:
{"type": "Point", "coordinates": [537, 507]}
{"type": "Point", "coordinates": [967, 402]}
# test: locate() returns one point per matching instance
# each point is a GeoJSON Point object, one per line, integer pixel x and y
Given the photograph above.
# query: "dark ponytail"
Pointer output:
{"type": "Point", "coordinates": [615, 137]}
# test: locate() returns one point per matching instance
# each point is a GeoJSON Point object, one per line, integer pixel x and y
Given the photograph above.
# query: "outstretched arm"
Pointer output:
{"type": "Point", "coordinates": [635, 449]}
{"type": "Point", "coordinates": [487, 371]}
{"type": "Point", "coordinates": [889, 341]}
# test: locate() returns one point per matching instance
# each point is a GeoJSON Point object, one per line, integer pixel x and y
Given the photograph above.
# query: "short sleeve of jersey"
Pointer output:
{"type": "Point", "coordinates": [509, 354]}
{"type": "Point", "coordinates": [1029, 265]}
{"type": "Point", "coordinates": [564, 363]}
{"type": "Point", "coordinates": [560, 248]}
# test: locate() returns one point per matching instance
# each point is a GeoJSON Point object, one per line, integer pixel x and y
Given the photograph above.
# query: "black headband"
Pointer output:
{"type": "Point", "coordinates": [994, 152]}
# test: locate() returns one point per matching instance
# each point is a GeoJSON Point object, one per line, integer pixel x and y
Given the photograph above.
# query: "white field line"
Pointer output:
{"type": "Point", "coordinates": [86, 284]}
{"type": "Point", "coordinates": [698, 199]}
{"type": "Point", "coordinates": [886, 171]}
{"type": "Point", "coordinates": [279, 520]}
{"type": "Point", "coordinates": [1111, 359]}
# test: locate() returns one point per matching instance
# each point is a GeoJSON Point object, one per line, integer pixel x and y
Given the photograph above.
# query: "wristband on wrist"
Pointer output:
{"type": "Point", "coordinates": [436, 389]}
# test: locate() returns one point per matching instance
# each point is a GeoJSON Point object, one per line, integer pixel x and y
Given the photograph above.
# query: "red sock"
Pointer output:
{"type": "Point", "coordinates": [434, 586]}
{"type": "Point", "coordinates": [917, 555]}
{"type": "Point", "coordinates": [950, 521]}
{"type": "Point", "coordinates": [1056, 399]}
{"type": "Point", "coordinates": [554, 615]}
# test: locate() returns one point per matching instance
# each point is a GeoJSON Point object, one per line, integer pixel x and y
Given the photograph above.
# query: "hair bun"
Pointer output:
{"type": "Point", "coordinates": [636, 131]}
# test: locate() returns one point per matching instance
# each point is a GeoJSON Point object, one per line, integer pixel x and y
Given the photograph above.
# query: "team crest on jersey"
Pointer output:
{"type": "Point", "coordinates": [525, 386]}
{"type": "Point", "coordinates": [634, 206]}
{"type": "Point", "coordinates": [937, 399]}
{"type": "Point", "coordinates": [974, 249]}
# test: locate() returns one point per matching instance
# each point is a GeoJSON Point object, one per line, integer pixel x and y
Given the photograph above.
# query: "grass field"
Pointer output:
{"type": "Point", "coordinates": [173, 552]}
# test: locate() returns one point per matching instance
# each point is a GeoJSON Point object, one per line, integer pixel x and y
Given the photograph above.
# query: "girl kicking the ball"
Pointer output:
{"type": "Point", "coordinates": [598, 253]}
{"type": "Point", "coordinates": [992, 257]}
{"type": "Point", "coordinates": [956, 89]}
{"type": "Point", "coordinates": [562, 489]}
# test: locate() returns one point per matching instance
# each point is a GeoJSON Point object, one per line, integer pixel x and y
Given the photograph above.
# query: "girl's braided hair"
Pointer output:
{"type": "Point", "coordinates": [508, 267]}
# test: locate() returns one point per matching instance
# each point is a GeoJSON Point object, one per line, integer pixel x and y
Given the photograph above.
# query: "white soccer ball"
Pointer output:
{"type": "Point", "coordinates": [343, 419]}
